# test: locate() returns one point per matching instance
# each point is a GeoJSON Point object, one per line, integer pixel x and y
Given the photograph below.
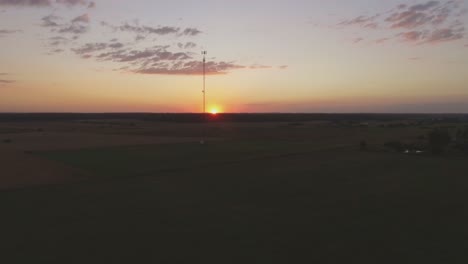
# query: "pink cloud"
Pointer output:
{"type": "Point", "coordinates": [158, 60]}
{"type": "Point", "coordinates": [381, 40]}
{"type": "Point", "coordinates": [83, 19]}
{"type": "Point", "coordinates": [357, 40]}
{"type": "Point", "coordinates": [412, 36]}
{"type": "Point", "coordinates": [259, 66]}
{"type": "Point", "coordinates": [444, 35]}
{"type": "Point", "coordinates": [36, 3]}
{"type": "Point", "coordinates": [430, 22]}
{"type": "Point", "coordinates": [45, 3]}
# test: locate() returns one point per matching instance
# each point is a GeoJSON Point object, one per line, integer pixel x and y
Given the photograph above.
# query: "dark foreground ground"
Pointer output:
{"type": "Point", "coordinates": [133, 190]}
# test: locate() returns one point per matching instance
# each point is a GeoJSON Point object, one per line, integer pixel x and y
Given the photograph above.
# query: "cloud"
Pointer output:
{"type": "Point", "coordinates": [73, 29]}
{"type": "Point", "coordinates": [160, 30]}
{"type": "Point", "coordinates": [46, 3]}
{"type": "Point", "coordinates": [81, 19]}
{"type": "Point", "coordinates": [116, 45]}
{"type": "Point", "coordinates": [428, 22]}
{"type": "Point", "coordinates": [58, 40]}
{"type": "Point", "coordinates": [444, 35]}
{"type": "Point", "coordinates": [381, 40]}
{"type": "Point", "coordinates": [424, 7]}
{"type": "Point", "coordinates": [4, 32]}
{"type": "Point", "coordinates": [411, 36]}
{"type": "Point", "coordinates": [364, 21]}
{"type": "Point", "coordinates": [409, 19]}
{"type": "Point", "coordinates": [259, 66]}
{"type": "Point", "coordinates": [192, 68]}
{"type": "Point", "coordinates": [190, 32]}
{"type": "Point", "coordinates": [90, 48]}
{"type": "Point", "coordinates": [158, 60]}
{"type": "Point", "coordinates": [76, 26]}
{"type": "Point", "coordinates": [357, 40]}
{"type": "Point", "coordinates": [187, 45]}
{"type": "Point", "coordinates": [50, 21]}
{"type": "Point", "coordinates": [140, 38]}
{"type": "Point", "coordinates": [73, 2]}
{"type": "Point", "coordinates": [35, 3]}
{"type": "Point", "coordinates": [4, 81]}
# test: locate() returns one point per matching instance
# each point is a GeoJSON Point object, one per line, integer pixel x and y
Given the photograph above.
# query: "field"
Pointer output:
{"type": "Point", "coordinates": [133, 190]}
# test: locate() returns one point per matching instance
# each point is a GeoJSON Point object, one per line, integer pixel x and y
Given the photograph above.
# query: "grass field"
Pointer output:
{"type": "Point", "coordinates": [294, 195]}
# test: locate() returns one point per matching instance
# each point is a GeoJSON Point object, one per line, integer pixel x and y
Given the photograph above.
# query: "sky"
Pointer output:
{"type": "Point", "coordinates": [334, 56]}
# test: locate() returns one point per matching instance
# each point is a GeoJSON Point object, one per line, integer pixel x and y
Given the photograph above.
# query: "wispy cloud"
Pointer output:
{"type": "Point", "coordinates": [5, 81]}
{"type": "Point", "coordinates": [160, 30]}
{"type": "Point", "coordinates": [158, 60]}
{"type": "Point", "coordinates": [5, 32]}
{"type": "Point", "coordinates": [36, 3]}
{"type": "Point", "coordinates": [187, 45]}
{"type": "Point", "coordinates": [357, 40]}
{"type": "Point", "coordinates": [46, 3]}
{"type": "Point", "coordinates": [191, 68]}
{"type": "Point", "coordinates": [89, 48]}
{"type": "Point", "coordinates": [83, 19]}
{"type": "Point", "coordinates": [175, 59]}
{"type": "Point", "coordinates": [74, 2]}
{"type": "Point", "coordinates": [50, 21]}
{"type": "Point", "coordinates": [429, 22]}
{"type": "Point", "coordinates": [77, 25]}
{"type": "Point", "coordinates": [259, 66]}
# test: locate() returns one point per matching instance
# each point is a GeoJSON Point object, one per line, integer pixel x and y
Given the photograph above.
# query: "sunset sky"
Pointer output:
{"type": "Point", "coordinates": [263, 55]}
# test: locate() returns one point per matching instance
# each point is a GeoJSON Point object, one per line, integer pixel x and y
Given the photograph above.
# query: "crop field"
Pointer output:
{"type": "Point", "coordinates": [270, 192]}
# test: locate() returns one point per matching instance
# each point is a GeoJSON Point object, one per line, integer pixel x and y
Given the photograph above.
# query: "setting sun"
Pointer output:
{"type": "Point", "coordinates": [214, 111]}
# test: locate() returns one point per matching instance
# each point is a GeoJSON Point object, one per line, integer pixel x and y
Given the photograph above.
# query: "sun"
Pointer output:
{"type": "Point", "coordinates": [214, 111]}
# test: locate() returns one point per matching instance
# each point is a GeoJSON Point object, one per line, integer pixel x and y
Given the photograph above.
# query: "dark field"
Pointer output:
{"type": "Point", "coordinates": [262, 189]}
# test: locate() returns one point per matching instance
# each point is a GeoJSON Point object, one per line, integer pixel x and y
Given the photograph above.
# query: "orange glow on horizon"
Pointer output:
{"type": "Point", "coordinates": [214, 110]}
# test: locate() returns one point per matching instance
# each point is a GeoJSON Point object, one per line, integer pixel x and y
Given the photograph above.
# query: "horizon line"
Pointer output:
{"type": "Point", "coordinates": [245, 113]}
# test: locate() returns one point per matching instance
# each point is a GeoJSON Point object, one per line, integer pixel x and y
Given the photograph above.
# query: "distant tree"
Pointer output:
{"type": "Point", "coordinates": [439, 140]}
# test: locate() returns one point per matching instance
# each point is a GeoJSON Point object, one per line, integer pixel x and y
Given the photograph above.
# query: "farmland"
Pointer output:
{"type": "Point", "coordinates": [102, 190]}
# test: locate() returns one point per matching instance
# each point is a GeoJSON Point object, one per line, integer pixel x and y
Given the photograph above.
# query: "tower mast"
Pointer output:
{"type": "Point", "coordinates": [204, 81]}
